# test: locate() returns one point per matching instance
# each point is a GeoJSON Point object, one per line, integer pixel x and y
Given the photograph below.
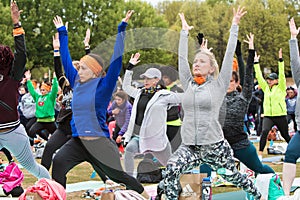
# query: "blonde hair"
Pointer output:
{"type": "Point", "coordinates": [212, 59]}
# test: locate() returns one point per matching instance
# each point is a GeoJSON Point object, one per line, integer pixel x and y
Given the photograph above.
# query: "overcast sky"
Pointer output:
{"type": "Point", "coordinates": [154, 2]}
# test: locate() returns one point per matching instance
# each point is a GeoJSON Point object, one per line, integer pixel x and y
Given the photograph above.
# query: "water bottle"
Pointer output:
{"type": "Point", "coordinates": [206, 189]}
{"type": "Point", "coordinates": [271, 143]}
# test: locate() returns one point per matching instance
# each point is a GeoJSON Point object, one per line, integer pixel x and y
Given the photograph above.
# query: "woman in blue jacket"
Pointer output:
{"type": "Point", "coordinates": [92, 93]}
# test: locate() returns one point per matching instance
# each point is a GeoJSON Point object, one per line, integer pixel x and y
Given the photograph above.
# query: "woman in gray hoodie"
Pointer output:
{"type": "Point", "coordinates": [202, 136]}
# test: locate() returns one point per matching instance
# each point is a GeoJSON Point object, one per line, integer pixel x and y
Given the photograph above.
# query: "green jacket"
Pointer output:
{"type": "Point", "coordinates": [274, 98]}
{"type": "Point", "coordinates": [44, 104]}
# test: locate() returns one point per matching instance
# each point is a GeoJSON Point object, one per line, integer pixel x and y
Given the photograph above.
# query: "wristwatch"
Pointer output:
{"type": "Point", "coordinates": [17, 25]}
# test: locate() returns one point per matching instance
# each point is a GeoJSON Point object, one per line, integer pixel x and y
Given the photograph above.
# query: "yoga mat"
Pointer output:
{"type": "Point", "coordinates": [276, 159]}
{"type": "Point", "coordinates": [273, 158]}
{"type": "Point", "coordinates": [73, 187]}
{"type": "Point", "coordinates": [238, 195]}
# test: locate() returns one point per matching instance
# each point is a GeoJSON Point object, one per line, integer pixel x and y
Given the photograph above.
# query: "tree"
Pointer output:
{"type": "Point", "coordinates": [170, 9]}
{"type": "Point", "coordinates": [154, 33]}
{"type": "Point", "coordinates": [269, 23]}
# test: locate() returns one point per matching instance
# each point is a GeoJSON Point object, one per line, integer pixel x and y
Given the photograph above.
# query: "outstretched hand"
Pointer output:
{"type": "Point", "coordinates": [256, 57]}
{"type": "Point", "coordinates": [185, 25]}
{"type": "Point", "coordinates": [250, 40]}
{"type": "Point", "coordinates": [58, 22]}
{"type": "Point", "coordinates": [204, 45]}
{"type": "Point", "coordinates": [27, 75]}
{"type": "Point", "coordinates": [293, 29]}
{"type": "Point", "coordinates": [135, 58]}
{"type": "Point", "coordinates": [55, 41]}
{"type": "Point", "coordinates": [238, 14]}
{"type": "Point", "coordinates": [128, 15]}
{"type": "Point", "coordinates": [86, 40]}
{"type": "Point", "coordinates": [15, 12]}
{"type": "Point", "coordinates": [280, 53]}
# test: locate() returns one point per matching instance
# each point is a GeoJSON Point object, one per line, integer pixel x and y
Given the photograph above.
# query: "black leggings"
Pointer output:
{"type": "Point", "coordinates": [43, 129]}
{"type": "Point", "coordinates": [7, 154]}
{"type": "Point", "coordinates": [101, 153]}
{"type": "Point", "coordinates": [61, 135]}
{"type": "Point", "coordinates": [116, 134]}
{"type": "Point", "coordinates": [173, 133]}
{"type": "Point", "coordinates": [29, 124]}
{"type": "Point", "coordinates": [268, 122]}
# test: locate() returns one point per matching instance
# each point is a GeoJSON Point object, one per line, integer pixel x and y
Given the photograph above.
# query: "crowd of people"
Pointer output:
{"type": "Point", "coordinates": [185, 119]}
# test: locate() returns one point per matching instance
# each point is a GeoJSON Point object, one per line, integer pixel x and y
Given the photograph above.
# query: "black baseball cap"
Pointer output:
{"type": "Point", "coordinates": [272, 76]}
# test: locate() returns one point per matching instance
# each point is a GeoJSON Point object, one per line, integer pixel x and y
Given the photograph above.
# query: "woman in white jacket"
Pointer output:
{"type": "Point", "coordinates": [146, 131]}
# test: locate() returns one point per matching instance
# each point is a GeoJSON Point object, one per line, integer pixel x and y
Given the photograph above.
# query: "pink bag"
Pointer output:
{"type": "Point", "coordinates": [46, 189]}
{"type": "Point", "coordinates": [11, 177]}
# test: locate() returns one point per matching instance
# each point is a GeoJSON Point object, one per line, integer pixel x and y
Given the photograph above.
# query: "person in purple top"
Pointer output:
{"type": "Point", "coordinates": [120, 109]}
{"type": "Point", "coordinates": [92, 91]}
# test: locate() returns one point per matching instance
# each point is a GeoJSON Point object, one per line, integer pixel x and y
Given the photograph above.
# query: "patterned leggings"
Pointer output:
{"type": "Point", "coordinates": [218, 155]}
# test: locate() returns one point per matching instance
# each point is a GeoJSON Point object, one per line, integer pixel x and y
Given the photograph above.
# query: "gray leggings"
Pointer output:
{"type": "Point", "coordinates": [17, 142]}
{"type": "Point", "coordinates": [218, 155]}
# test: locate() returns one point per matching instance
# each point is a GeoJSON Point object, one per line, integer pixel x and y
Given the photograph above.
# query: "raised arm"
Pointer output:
{"type": "Point", "coordinates": [54, 88]}
{"type": "Point", "coordinates": [185, 74]}
{"type": "Point", "coordinates": [258, 73]}
{"type": "Point", "coordinates": [115, 66]}
{"type": "Point", "coordinates": [240, 60]}
{"type": "Point", "coordinates": [294, 52]}
{"type": "Point", "coordinates": [249, 82]}
{"type": "Point", "coordinates": [30, 87]}
{"type": "Point", "coordinates": [226, 69]}
{"type": "Point", "coordinates": [86, 41]}
{"type": "Point", "coordinates": [281, 75]}
{"type": "Point", "coordinates": [19, 62]}
{"type": "Point", "coordinates": [56, 55]}
{"type": "Point", "coordinates": [126, 86]}
{"type": "Point", "coordinates": [66, 59]}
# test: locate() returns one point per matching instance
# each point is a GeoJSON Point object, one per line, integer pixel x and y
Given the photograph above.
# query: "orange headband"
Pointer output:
{"type": "Point", "coordinates": [34, 84]}
{"type": "Point", "coordinates": [46, 87]}
{"type": "Point", "coordinates": [92, 63]}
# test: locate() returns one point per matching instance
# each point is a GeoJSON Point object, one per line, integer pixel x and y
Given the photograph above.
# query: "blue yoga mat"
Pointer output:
{"type": "Point", "coordinates": [238, 195]}
{"type": "Point", "coordinates": [273, 158]}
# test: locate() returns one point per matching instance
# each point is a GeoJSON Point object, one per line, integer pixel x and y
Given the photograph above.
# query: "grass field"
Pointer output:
{"type": "Point", "coordinates": [83, 171]}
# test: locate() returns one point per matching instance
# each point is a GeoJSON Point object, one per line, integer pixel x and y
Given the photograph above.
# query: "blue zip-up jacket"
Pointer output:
{"type": "Point", "coordinates": [91, 99]}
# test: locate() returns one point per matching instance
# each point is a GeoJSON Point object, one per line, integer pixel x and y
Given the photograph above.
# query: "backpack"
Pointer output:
{"type": "Point", "coordinates": [148, 171]}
